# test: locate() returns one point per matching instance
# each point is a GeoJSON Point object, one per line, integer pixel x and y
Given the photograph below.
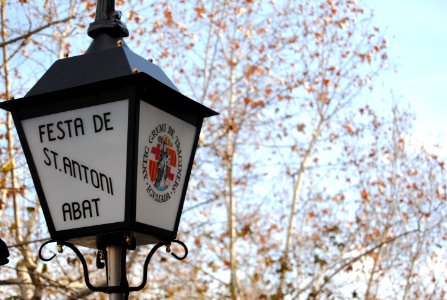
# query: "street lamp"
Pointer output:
{"type": "Point", "coordinates": [110, 143]}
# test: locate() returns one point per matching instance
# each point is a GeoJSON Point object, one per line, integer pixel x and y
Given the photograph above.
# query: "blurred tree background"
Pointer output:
{"type": "Point", "coordinates": [301, 189]}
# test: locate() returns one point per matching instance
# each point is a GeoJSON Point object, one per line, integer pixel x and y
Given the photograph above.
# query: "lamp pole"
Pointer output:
{"type": "Point", "coordinates": [114, 270]}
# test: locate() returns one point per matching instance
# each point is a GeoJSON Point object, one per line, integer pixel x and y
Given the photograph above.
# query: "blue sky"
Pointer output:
{"type": "Point", "coordinates": [417, 34]}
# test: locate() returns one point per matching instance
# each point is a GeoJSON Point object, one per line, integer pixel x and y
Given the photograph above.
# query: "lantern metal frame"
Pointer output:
{"type": "Point", "coordinates": [135, 87]}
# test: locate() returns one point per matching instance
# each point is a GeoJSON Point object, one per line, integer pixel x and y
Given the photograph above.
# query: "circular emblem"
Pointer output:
{"type": "Point", "coordinates": [162, 163]}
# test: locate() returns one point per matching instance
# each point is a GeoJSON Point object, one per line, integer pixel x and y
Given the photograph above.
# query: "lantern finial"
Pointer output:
{"type": "Point", "coordinates": [107, 20]}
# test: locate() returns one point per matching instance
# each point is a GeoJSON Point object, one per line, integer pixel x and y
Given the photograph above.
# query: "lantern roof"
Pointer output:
{"type": "Point", "coordinates": [106, 58]}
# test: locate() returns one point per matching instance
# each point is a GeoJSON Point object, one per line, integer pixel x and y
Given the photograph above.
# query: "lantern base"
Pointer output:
{"type": "Point", "coordinates": [97, 242]}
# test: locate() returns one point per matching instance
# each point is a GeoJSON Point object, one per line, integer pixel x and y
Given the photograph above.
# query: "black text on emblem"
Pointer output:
{"type": "Point", "coordinates": [162, 163]}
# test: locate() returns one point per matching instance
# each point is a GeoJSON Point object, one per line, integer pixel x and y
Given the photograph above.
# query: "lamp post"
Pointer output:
{"type": "Point", "coordinates": [110, 143]}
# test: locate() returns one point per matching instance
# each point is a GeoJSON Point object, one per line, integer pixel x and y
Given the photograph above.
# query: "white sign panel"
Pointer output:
{"type": "Point", "coordinates": [80, 156]}
{"type": "Point", "coordinates": [164, 149]}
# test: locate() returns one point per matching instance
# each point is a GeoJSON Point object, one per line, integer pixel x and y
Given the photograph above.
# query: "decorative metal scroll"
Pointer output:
{"type": "Point", "coordinates": [4, 253]}
{"type": "Point", "coordinates": [124, 287]}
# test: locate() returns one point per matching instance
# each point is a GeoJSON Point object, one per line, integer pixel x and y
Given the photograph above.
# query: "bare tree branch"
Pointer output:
{"type": "Point", "coordinates": [34, 31]}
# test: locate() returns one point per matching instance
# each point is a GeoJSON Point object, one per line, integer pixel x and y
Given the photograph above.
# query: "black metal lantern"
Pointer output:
{"type": "Point", "coordinates": [109, 141]}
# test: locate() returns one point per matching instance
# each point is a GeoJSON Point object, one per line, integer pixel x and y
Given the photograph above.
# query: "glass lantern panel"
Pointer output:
{"type": "Point", "coordinates": [164, 150]}
{"type": "Point", "coordinates": [80, 157]}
